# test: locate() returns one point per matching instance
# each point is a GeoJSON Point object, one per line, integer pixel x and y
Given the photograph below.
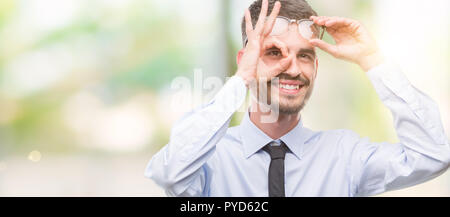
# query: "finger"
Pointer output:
{"type": "Point", "coordinates": [248, 22]}
{"type": "Point", "coordinates": [271, 21]}
{"type": "Point", "coordinates": [323, 20]}
{"type": "Point", "coordinates": [278, 44]}
{"type": "Point", "coordinates": [337, 22]}
{"type": "Point", "coordinates": [262, 17]}
{"type": "Point", "coordinates": [329, 48]}
{"type": "Point", "coordinates": [317, 19]}
{"type": "Point", "coordinates": [281, 66]}
{"type": "Point", "coordinates": [314, 17]}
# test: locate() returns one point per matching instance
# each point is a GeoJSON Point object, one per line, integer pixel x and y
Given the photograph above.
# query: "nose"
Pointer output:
{"type": "Point", "coordinates": [292, 37]}
{"type": "Point", "coordinates": [294, 68]}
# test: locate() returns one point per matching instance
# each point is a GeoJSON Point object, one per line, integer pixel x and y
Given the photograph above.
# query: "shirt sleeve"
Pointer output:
{"type": "Point", "coordinates": [180, 166]}
{"type": "Point", "coordinates": [423, 151]}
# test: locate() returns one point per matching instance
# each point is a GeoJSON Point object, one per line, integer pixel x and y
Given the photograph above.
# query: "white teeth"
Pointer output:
{"type": "Point", "coordinates": [289, 87]}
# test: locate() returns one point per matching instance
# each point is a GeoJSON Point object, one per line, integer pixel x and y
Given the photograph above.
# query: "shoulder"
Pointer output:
{"type": "Point", "coordinates": [229, 147]}
{"type": "Point", "coordinates": [335, 135]}
{"type": "Point", "coordinates": [230, 138]}
{"type": "Point", "coordinates": [342, 134]}
{"type": "Point", "coordinates": [338, 138]}
{"type": "Point", "coordinates": [232, 133]}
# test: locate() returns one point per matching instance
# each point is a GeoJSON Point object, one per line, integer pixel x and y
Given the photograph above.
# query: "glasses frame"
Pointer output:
{"type": "Point", "coordinates": [298, 26]}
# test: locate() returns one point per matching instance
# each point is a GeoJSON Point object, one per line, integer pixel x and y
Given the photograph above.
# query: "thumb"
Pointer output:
{"type": "Point", "coordinates": [329, 48]}
{"type": "Point", "coordinates": [282, 65]}
{"type": "Point", "coordinates": [279, 67]}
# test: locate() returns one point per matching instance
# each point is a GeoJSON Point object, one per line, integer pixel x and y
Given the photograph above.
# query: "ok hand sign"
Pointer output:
{"type": "Point", "coordinates": [255, 42]}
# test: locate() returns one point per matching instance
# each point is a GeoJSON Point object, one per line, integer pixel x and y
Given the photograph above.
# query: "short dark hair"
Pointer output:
{"type": "Point", "coordinates": [292, 9]}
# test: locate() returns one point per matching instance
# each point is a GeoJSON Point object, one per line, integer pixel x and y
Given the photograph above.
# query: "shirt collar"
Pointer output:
{"type": "Point", "coordinates": [254, 139]}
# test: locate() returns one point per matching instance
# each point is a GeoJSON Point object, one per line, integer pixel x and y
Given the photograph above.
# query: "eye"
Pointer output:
{"type": "Point", "coordinates": [305, 56]}
{"type": "Point", "coordinates": [274, 53]}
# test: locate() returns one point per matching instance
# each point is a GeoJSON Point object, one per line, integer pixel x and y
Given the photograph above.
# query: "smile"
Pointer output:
{"type": "Point", "coordinates": [290, 87]}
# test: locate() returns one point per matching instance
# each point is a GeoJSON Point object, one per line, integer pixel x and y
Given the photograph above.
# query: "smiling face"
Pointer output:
{"type": "Point", "coordinates": [295, 84]}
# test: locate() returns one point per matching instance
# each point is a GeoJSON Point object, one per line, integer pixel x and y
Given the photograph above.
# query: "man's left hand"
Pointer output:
{"type": "Point", "coordinates": [353, 42]}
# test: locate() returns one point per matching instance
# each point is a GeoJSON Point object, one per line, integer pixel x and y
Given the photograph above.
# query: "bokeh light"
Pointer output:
{"type": "Point", "coordinates": [35, 156]}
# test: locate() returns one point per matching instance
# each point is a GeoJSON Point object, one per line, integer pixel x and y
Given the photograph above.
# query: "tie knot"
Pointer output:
{"type": "Point", "coordinates": [276, 152]}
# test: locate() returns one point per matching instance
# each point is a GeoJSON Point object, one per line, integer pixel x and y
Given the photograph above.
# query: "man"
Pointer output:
{"type": "Point", "coordinates": [271, 153]}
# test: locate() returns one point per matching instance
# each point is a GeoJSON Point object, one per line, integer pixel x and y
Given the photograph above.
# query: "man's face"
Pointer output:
{"type": "Point", "coordinates": [297, 80]}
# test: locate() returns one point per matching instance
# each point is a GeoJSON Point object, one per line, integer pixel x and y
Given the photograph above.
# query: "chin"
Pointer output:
{"type": "Point", "coordinates": [291, 110]}
{"type": "Point", "coordinates": [288, 106]}
{"type": "Point", "coordinates": [293, 105]}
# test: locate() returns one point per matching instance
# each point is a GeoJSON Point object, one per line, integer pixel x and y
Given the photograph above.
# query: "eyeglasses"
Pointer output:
{"type": "Point", "coordinates": [306, 27]}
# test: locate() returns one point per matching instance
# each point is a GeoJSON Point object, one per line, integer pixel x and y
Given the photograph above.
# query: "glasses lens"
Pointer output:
{"type": "Point", "coordinates": [309, 30]}
{"type": "Point", "coordinates": [281, 26]}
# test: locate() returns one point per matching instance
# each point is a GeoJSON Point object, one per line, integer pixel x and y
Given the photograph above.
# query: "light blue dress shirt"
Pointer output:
{"type": "Point", "coordinates": [206, 158]}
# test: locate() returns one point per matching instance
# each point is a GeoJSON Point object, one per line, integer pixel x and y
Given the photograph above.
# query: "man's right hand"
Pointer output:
{"type": "Point", "coordinates": [256, 36]}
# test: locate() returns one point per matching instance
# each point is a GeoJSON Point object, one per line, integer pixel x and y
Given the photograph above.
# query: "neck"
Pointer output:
{"type": "Point", "coordinates": [278, 126]}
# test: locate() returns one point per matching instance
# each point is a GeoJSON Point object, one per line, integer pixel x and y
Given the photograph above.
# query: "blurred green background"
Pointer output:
{"type": "Point", "coordinates": [86, 86]}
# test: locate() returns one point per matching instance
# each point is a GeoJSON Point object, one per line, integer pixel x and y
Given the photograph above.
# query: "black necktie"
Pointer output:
{"type": "Point", "coordinates": [276, 169]}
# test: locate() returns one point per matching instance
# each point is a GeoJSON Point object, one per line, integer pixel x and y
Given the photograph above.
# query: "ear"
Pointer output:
{"type": "Point", "coordinates": [239, 55]}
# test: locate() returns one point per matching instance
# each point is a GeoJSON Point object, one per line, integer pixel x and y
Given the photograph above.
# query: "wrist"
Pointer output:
{"type": "Point", "coordinates": [247, 79]}
{"type": "Point", "coordinates": [370, 61]}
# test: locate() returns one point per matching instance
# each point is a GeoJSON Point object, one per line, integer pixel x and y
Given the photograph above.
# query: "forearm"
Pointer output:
{"type": "Point", "coordinates": [423, 151]}
{"type": "Point", "coordinates": [176, 166]}
{"type": "Point", "coordinates": [193, 139]}
{"type": "Point", "coordinates": [411, 108]}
